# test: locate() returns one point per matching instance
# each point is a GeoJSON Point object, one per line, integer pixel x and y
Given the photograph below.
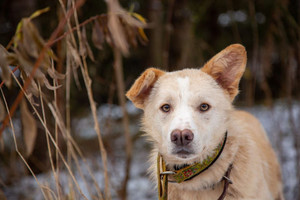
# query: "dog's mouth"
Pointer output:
{"type": "Point", "coordinates": [183, 152]}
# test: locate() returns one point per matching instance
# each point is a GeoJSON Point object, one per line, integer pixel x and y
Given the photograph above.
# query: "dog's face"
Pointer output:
{"type": "Point", "coordinates": [185, 112]}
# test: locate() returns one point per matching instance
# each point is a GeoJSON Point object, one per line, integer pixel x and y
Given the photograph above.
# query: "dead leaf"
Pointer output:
{"type": "Point", "coordinates": [5, 74]}
{"type": "Point", "coordinates": [115, 8]}
{"type": "Point", "coordinates": [32, 90]}
{"type": "Point", "coordinates": [11, 59]}
{"type": "Point", "coordinates": [55, 74]}
{"type": "Point", "coordinates": [74, 60]}
{"type": "Point", "coordinates": [122, 28]}
{"type": "Point", "coordinates": [97, 36]}
{"type": "Point", "coordinates": [118, 35]}
{"type": "Point", "coordinates": [74, 53]}
{"type": "Point", "coordinates": [29, 128]}
{"type": "Point", "coordinates": [19, 35]}
{"type": "Point", "coordinates": [90, 52]}
{"type": "Point", "coordinates": [140, 27]}
{"type": "Point", "coordinates": [130, 34]}
{"type": "Point", "coordinates": [28, 44]}
{"type": "Point", "coordinates": [103, 21]}
{"type": "Point", "coordinates": [2, 111]}
{"type": "Point", "coordinates": [44, 81]}
{"type": "Point", "coordinates": [26, 63]}
{"type": "Point", "coordinates": [31, 45]}
{"type": "Point", "coordinates": [86, 47]}
{"type": "Point", "coordinates": [83, 50]}
{"type": "Point", "coordinates": [39, 12]}
{"type": "Point", "coordinates": [142, 37]}
{"type": "Point", "coordinates": [139, 17]}
{"type": "Point", "coordinates": [115, 27]}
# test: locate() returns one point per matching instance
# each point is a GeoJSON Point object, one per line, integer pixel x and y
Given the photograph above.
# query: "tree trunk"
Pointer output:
{"type": "Point", "coordinates": [181, 39]}
{"type": "Point", "coordinates": [155, 17]}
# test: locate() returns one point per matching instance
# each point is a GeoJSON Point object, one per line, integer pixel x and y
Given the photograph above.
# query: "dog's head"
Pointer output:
{"type": "Point", "coordinates": [186, 112]}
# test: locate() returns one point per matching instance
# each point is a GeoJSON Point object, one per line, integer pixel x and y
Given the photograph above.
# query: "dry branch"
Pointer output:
{"type": "Point", "coordinates": [37, 64]}
{"type": "Point", "coordinates": [118, 68]}
{"type": "Point", "coordinates": [88, 84]}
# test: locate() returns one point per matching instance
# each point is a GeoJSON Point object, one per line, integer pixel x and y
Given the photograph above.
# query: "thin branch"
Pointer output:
{"type": "Point", "coordinates": [2, 83]}
{"type": "Point", "coordinates": [88, 84]}
{"type": "Point", "coordinates": [75, 28]}
{"type": "Point", "coordinates": [20, 96]}
{"type": "Point", "coordinates": [16, 145]}
{"type": "Point", "coordinates": [125, 120]}
{"type": "Point", "coordinates": [51, 137]}
{"type": "Point", "coordinates": [55, 171]}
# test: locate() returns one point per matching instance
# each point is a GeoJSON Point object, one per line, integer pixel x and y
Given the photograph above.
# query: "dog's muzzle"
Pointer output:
{"type": "Point", "coordinates": [182, 137]}
{"type": "Point", "coordinates": [182, 140]}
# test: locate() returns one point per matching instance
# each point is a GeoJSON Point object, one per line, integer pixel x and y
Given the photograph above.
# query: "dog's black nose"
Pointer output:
{"type": "Point", "coordinates": [182, 138]}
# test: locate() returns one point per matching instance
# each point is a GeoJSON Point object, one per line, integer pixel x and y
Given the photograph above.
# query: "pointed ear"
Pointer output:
{"type": "Point", "coordinates": [141, 88]}
{"type": "Point", "coordinates": [227, 68]}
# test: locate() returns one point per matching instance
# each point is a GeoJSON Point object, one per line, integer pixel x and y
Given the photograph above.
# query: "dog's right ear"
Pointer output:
{"type": "Point", "coordinates": [227, 68]}
{"type": "Point", "coordinates": [141, 88]}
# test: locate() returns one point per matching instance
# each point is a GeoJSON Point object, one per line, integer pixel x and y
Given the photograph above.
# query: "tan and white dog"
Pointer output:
{"type": "Point", "coordinates": [190, 119]}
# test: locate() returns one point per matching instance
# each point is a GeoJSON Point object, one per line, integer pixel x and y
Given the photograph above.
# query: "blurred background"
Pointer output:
{"type": "Point", "coordinates": [71, 134]}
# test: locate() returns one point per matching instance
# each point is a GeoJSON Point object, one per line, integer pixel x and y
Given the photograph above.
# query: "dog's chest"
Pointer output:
{"type": "Point", "coordinates": [176, 193]}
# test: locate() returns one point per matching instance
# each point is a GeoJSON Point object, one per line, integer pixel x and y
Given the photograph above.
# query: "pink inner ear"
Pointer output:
{"type": "Point", "coordinates": [144, 92]}
{"type": "Point", "coordinates": [143, 85]}
{"type": "Point", "coordinates": [224, 80]}
{"type": "Point", "coordinates": [227, 68]}
{"type": "Point", "coordinates": [232, 68]}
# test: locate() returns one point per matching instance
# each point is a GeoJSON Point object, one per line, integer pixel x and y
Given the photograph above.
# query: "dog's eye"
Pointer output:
{"type": "Point", "coordinates": [204, 107]}
{"type": "Point", "coordinates": [165, 108]}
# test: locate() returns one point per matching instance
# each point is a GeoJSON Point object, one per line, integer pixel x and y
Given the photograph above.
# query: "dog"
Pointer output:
{"type": "Point", "coordinates": [189, 117]}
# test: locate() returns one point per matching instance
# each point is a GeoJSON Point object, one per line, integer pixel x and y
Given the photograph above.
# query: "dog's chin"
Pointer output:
{"type": "Point", "coordinates": [183, 153]}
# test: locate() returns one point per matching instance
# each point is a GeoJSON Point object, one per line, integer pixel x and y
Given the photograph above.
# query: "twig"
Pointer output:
{"type": "Point", "coordinates": [68, 117]}
{"type": "Point", "coordinates": [55, 172]}
{"type": "Point", "coordinates": [51, 137]}
{"type": "Point", "coordinates": [48, 144]}
{"type": "Point", "coordinates": [74, 28]}
{"type": "Point", "coordinates": [16, 145]}
{"type": "Point", "coordinates": [13, 71]}
{"type": "Point", "coordinates": [70, 142]}
{"type": "Point", "coordinates": [88, 85]}
{"type": "Point", "coordinates": [27, 82]}
{"type": "Point", "coordinates": [125, 121]}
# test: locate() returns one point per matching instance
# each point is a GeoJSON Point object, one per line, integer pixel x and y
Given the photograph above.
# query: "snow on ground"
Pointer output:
{"type": "Point", "coordinates": [83, 126]}
{"type": "Point", "coordinates": [276, 122]}
{"type": "Point", "coordinates": [281, 122]}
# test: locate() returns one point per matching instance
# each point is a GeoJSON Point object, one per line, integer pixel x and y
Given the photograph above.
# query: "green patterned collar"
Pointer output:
{"type": "Point", "coordinates": [191, 171]}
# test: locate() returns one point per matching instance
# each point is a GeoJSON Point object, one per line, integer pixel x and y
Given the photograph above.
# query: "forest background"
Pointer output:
{"type": "Point", "coordinates": [66, 64]}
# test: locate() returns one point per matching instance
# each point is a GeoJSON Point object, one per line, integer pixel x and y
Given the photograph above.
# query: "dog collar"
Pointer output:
{"type": "Point", "coordinates": [193, 170]}
{"type": "Point", "coordinates": [187, 172]}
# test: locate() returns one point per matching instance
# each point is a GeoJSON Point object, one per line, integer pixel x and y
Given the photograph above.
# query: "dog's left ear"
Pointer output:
{"type": "Point", "coordinates": [142, 87]}
{"type": "Point", "coordinates": [227, 68]}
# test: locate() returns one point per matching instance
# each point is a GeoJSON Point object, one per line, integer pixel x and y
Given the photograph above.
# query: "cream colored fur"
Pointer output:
{"type": "Point", "coordinates": [256, 172]}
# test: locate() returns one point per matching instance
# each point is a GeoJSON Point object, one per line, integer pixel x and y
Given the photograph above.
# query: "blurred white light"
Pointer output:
{"type": "Point", "coordinates": [240, 16]}
{"type": "Point", "coordinates": [224, 19]}
{"type": "Point", "coordinates": [232, 16]}
{"type": "Point", "coordinates": [260, 18]}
